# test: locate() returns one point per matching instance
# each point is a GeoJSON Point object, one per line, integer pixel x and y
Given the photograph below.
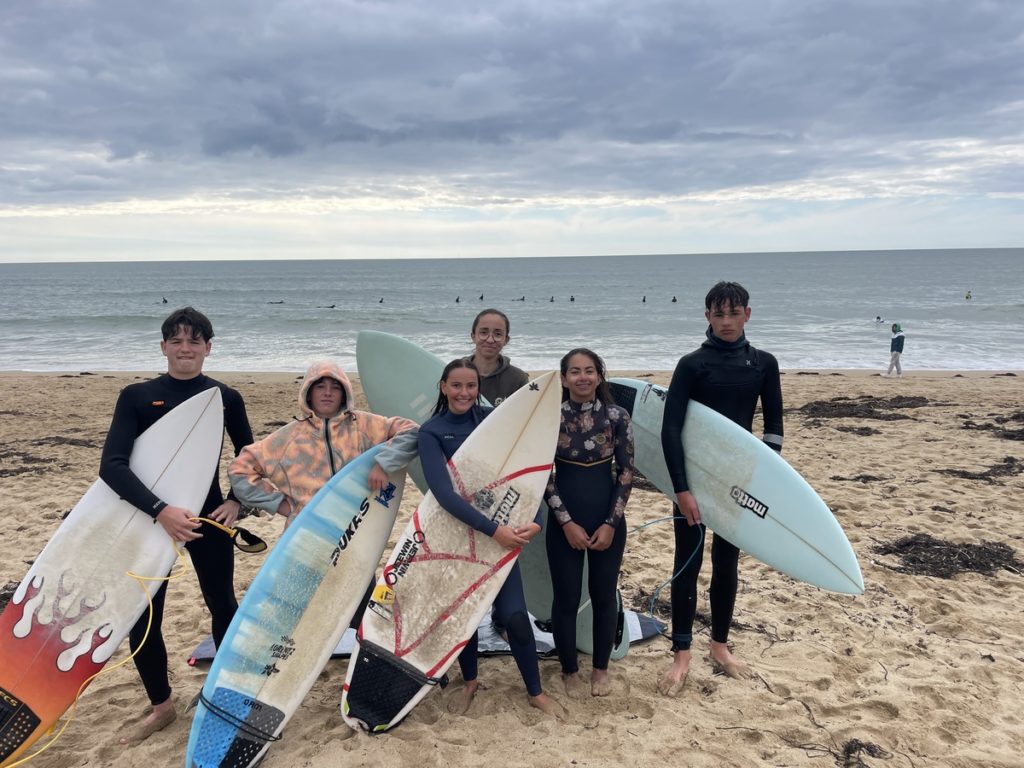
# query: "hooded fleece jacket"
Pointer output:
{"type": "Point", "coordinates": [297, 459]}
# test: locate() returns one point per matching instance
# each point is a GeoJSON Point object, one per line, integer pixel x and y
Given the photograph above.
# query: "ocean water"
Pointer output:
{"type": "Point", "coordinates": [812, 310]}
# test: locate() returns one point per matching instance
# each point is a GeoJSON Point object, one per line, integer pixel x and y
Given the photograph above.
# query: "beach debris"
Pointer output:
{"type": "Point", "coordinates": [864, 407]}
{"type": "Point", "coordinates": [75, 442]}
{"type": "Point", "coordinates": [30, 464]}
{"type": "Point", "coordinates": [6, 593]}
{"type": "Point", "coordinates": [861, 431]}
{"type": "Point", "coordinates": [1008, 467]}
{"type": "Point", "coordinates": [853, 749]}
{"type": "Point", "coordinates": [923, 555]}
{"type": "Point", "coordinates": [998, 428]}
{"type": "Point", "coordinates": [860, 478]}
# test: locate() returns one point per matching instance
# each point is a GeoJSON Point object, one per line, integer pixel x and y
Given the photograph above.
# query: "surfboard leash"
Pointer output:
{"type": "Point", "coordinates": [696, 550]}
{"type": "Point", "coordinates": [252, 543]}
{"type": "Point", "coordinates": [246, 728]}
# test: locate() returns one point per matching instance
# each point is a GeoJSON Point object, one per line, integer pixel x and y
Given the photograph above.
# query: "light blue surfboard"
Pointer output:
{"type": "Point", "coordinates": [399, 378]}
{"type": "Point", "coordinates": [746, 492]}
{"type": "Point", "coordinates": [292, 617]}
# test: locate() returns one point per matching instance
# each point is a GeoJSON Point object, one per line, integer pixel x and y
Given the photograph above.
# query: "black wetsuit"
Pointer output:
{"type": "Point", "coordinates": [138, 407]}
{"type": "Point", "coordinates": [588, 489]}
{"type": "Point", "coordinates": [729, 378]}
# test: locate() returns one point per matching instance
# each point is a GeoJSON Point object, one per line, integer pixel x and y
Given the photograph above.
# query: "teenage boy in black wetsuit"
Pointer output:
{"type": "Point", "coordinates": [186, 344]}
{"type": "Point", "coordinates": [728, 375]}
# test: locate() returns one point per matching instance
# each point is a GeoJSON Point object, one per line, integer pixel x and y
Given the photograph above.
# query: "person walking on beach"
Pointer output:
{"type": "Point", "coordinates": [727, 374]}
{"type": "Point", "coordinates": [187, 335]}
{"type": "Point", "coordinates": [588, 500]}
{"type": "Point", "coordinates": [456, 414]}
{"type": "Point", "coordinates": [895, 350]}
{"type": "Point", "coordinates": [498, 377]}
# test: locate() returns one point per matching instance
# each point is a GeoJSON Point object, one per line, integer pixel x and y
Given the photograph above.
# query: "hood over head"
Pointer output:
{"type": "Point", "coordinates": [319, 370]}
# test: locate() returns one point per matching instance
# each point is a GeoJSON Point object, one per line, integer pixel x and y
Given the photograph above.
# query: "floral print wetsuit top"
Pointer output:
{"type": "Point", "coordinates": [593, 433]}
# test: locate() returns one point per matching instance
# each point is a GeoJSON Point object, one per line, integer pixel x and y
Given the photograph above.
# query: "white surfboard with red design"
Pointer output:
{"type": "Point", "coordinates": [443, 576]}
{"type": "Point", "coordinates": [78, 601]}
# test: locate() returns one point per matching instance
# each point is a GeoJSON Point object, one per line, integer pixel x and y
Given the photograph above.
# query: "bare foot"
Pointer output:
{"type": "Point", "coordinates": [548, 706]}
{"type": "Point", "coordinates": [600, 682]}
{"type": "Point", "coordinates": [163, 714]}
{"type": "Point", "coordinates": [672, 682]}
{"type": "Point", "coordinates": [459, 701]}
{"type": "Point", "coordinates": [575, 688]}
{"type": "Point", "coordinates": [723, 660]}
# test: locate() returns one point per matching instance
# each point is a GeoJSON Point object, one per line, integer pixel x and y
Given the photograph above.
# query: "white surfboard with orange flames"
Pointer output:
{"type": "Point", "coordinates": [78, 601]}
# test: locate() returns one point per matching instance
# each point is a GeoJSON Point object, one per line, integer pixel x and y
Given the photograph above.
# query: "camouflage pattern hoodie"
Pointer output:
{"type": "Point", "coordinates": [297, 459]}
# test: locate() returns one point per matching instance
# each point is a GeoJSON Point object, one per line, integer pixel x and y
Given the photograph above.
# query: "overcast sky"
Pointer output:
{"type": "Point", "coordinates": [331, 128]}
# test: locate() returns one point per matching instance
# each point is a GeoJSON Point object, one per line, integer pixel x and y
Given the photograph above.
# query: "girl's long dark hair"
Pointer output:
{"type": "Point", "coordinates": [604, 392]}
{"type": "Point", "coordinates": [442, 400]}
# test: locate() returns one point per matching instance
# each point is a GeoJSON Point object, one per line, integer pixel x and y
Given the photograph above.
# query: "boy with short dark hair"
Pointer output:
{"type": "Point", "coordinates": [727, 374]}
{"type": "Point", "coordinates": [187, 335]}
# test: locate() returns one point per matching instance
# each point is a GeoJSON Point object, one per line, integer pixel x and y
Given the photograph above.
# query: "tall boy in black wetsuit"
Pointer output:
{"type": "Point", "coordinates": [186, 344]}
{"type": "Point", "coordinates": [728, 375]}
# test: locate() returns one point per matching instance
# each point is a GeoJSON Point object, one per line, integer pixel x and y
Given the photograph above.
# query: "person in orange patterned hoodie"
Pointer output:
{"type": "Point", "coordinates": [283, 471]}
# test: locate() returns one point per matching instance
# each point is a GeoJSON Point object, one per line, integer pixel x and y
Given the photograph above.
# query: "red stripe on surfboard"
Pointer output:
{"type": "Point", "coordinates": [500, 481]}
{"type": "Point", "coordinates": [518, 473]}
{"type": "Point", "coordinates": [428, 556]}
{"type": "Point", "coordinates": [457, 649]}
{"type": "Point", "coordinates": [512, 554]}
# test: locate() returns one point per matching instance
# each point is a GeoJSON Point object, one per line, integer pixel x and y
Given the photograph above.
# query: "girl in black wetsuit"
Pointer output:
{"type": "Point", "coordinates": [587, 498]}
{"type": "Point", "coordinates": [456, 415]}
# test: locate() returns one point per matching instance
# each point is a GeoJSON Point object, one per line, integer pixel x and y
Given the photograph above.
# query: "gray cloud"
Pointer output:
{"type": "Point", "coordinates": [119, 99]}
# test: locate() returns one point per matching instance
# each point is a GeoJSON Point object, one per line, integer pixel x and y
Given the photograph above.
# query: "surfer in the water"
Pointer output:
{"type": "Point", "coordinates": [186, 343]}
{"type": "Point", "coordinates": [498, 377]}
{"type": "Point", "coordinates": [456, 414]}
{"type": "Point", "coordinates": [589, 503]}
{"type": "Point", "coordinates": [728, 375]}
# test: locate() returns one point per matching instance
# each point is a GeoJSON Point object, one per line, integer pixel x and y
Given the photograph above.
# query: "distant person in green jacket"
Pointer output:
{"type": "Point", "coordinates": [895, 349]}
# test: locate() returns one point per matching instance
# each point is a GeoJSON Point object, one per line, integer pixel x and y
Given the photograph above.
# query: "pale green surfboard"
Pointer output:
{"type": "Point", "coordinates": [746, 492]}
{"type": "Point", "coordinates": [400, 378]}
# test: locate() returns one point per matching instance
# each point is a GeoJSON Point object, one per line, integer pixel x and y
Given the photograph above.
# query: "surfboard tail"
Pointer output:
{"type": "Point", "coordinates": [238, 728]}
{"type": "Point", "coordinates": [385, 688]}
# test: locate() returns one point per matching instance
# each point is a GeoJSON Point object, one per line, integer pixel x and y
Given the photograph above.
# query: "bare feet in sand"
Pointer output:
{"type": "Point", "coordinates": [600, 682]}
{"type": "Point", "coordinates": [672, 682]}
{"type": "Point", "coordinates": [163, 714]}
{"type": "Point", "coordinates": [548, 706]}
{"type": "Point", "coordinates": [722, 660]}
{"type": "Point", "coordinates": [460, 701]}
{"type": "Point", "coordinates": [575, 688]}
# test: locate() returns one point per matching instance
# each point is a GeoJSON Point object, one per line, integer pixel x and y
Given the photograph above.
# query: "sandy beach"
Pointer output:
{"type": "Point", "coordinates": [925, 669]}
